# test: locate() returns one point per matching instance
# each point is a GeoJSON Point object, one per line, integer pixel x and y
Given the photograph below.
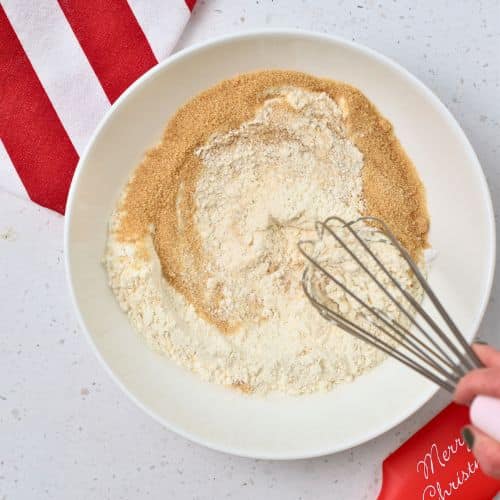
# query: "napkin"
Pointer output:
{"type": "Point", "coordinates": [63, 63]}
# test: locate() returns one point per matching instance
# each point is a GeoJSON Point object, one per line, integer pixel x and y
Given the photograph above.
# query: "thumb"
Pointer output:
{"type": "Point", "coordinates": [485, 449]}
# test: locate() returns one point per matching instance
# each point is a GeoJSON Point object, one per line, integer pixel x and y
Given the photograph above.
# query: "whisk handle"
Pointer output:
{"type": "Point", "coordinates": [485, 415]}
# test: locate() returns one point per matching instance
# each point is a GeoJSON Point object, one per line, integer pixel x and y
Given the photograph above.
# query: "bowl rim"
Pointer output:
{"type": "Point", "coordinates": [255, 34]}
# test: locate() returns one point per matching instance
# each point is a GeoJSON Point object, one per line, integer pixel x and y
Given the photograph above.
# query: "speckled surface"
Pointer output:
{"type": "Point", "coordinates": [66, 431]}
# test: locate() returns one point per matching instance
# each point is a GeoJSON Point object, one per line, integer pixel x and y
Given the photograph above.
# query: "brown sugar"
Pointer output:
{"type": "Point", "coordinates": [160, 193]}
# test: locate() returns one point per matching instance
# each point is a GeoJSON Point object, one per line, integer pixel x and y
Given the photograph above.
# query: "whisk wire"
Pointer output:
{"type": "Point", "coordinates": [376, 342]}
{"type": "Point", "coordinates": [430, 360]}
{"type": "Point", "coordinates": [405, 337]}
{"type": "Point", "coordinates": [443, 357]}
{"type": "Point", "coordinates": [473, 361]}
{"type": "Point", "coordinates": [401, 339]}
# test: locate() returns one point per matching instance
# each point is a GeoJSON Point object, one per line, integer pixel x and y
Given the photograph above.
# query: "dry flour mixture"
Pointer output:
{"type": "Point", "coordinates": [202, 249]}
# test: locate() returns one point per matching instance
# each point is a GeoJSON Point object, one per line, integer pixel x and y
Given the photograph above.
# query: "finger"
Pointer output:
{"type": "Point", "coordinates": [487, 354]}
{"type": "Point", "coordinates": [484, 381]}
{"type": "Point", "coordinates": [485, 449]}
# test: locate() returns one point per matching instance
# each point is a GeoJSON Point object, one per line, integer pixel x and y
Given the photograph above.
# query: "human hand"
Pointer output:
{"type": "Point", "coordinates": [483, 381]}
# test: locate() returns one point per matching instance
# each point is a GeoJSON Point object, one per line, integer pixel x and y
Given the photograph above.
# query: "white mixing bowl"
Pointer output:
{"type": "Point", "coordinates": [279, 427]}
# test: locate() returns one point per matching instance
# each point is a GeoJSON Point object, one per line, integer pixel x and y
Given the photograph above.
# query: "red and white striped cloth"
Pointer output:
{"type": "Point", "coordinates": [63, 62]}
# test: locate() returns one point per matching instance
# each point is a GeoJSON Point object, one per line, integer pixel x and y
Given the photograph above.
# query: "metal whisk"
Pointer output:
{"type": "Point", "coordinates": [433, 347]}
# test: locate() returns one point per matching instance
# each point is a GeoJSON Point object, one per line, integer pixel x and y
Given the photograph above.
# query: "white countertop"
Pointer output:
{"type": "Point", "coordinates": [67, 432]}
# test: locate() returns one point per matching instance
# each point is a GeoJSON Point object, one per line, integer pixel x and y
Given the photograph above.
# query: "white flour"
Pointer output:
{"type": "Point", "coordinates": [256, 197]}
{"type": "Point", "coordinates": [260, 189]}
